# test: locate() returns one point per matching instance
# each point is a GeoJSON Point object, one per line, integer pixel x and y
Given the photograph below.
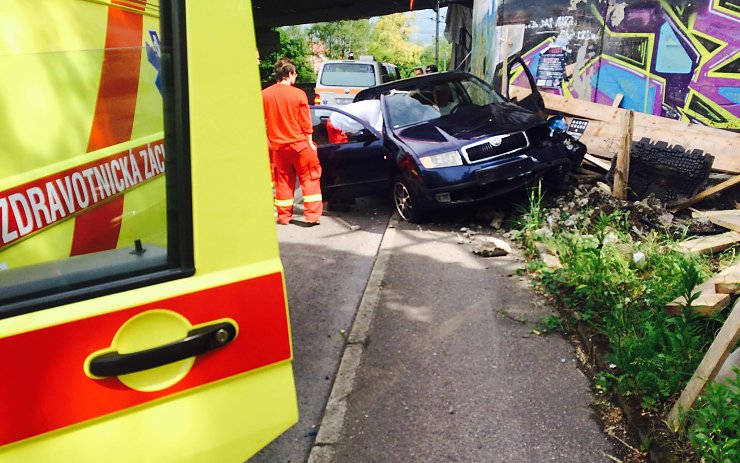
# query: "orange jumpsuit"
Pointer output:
{"type": "Point", "coordinates": [288, 128]}
{"type": "Point", "coordinates": [335, 135]}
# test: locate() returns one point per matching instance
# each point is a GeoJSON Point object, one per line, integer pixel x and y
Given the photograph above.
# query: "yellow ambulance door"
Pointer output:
{"type": "Point", "coordinates": [143, 315]}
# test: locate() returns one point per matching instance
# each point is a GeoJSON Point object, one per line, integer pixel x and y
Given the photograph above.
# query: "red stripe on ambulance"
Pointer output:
{"type": "Point", "coordinates": [98, 230]}
{"type": "Point", "coordinates": [31, 207]}
{"type": "Point", "coordinates": [44, 386]}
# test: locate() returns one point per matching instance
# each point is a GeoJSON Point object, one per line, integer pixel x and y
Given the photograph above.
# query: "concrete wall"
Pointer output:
{"type": "Point", "coordinates": [673, 58]}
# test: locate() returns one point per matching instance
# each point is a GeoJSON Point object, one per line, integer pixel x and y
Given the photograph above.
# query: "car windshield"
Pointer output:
{"type": "Point", "coordinates": [431, 100]}
{"type": "Point", "coordinates": [348, 75]}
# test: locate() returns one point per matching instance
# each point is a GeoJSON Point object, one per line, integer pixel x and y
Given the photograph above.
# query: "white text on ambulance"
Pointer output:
{"type": "Point", "coordinates": [43, 202]}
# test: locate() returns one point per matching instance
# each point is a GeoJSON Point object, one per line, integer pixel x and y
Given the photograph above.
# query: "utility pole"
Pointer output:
{"type": "Point", "coordinates": [436, 34]}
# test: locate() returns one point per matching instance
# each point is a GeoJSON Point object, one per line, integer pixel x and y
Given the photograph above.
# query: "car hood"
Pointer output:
{"type": "Point", "coordinates": [469, 123]}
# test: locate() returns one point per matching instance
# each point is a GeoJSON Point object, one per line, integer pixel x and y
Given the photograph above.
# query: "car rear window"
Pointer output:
{"type": "Point", "coordinates": [348, 75]}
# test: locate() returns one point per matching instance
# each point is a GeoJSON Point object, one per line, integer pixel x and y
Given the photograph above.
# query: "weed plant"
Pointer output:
{"type": "Point", "coordinates": [714, 422]}
{"type": "Point", "coordinates": [619, 284]}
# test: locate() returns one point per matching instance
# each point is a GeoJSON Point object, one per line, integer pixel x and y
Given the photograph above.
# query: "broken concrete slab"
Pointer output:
{"type": "Point", "coordinates": [488, 246]}
{"type": "Point", "coordinates": [547, 256]}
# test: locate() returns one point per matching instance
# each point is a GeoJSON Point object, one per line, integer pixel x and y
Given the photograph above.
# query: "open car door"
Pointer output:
{"type": "Point", "coordinates": [353, 160]}
{"type": "Point", "coordinates": [142, 304]}
{"type": "Point", "coordinates": [533, 99]}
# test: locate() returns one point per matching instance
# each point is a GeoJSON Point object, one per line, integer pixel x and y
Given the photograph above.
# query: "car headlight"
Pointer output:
{"type": "Point", "coordinates": [448, 159]}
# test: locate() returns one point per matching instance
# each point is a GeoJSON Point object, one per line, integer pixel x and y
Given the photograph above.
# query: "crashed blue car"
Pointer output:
{"type": "Point", "coordinates": [443, 140]}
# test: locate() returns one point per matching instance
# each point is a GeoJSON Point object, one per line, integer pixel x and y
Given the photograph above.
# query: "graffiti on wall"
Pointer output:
{"type": "Point", "coordinates": [671, 58]}
{"type": "Point", "coordinates": [483, 39]}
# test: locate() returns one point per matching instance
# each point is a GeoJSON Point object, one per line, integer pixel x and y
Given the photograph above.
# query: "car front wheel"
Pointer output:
{"type": "Point", "coordinates": [407, 201]}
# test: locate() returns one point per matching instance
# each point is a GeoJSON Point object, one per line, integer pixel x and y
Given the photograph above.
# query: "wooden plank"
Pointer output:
{"type": "Point", "coordinates": [710, 365]}
{"type": "Point", "coordinates": [605, 166]}
{"type": "Point", "coordinates": [622, 167]}
{"type": "Point", "coordinates": [600, 112]}
{"type": "Point", "coordinates": [731, 222]}
{"type": "Point", "coordinates": [707, 304]}
{"type": "Point", "coordinates": [617, 100]}
{"type": "Point", "coordinates": [584, 171]}
{"type": "Point", "coordinates": [728, 281]}
{"type": "Point", "coordinates": [730, 287]}
{"type": "Point", "coordinates": [698, 214]}
{"type": "Point", "coordinates": [707, 193]}
{"type": "Point", "coordinates": [714, 243]}
{"type": "Point", "coordinates": [602, 133]}
{"type": "Point", "coordinates": [505, 44]}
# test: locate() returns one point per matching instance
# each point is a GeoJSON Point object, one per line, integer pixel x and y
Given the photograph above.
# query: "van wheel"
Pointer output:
{"type": "Point", "coordinates": [407, 202]}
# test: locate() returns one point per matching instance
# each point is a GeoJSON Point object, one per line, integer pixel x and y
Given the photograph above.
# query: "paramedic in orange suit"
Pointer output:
{"type": "Point", "coordinates": [293, 151]}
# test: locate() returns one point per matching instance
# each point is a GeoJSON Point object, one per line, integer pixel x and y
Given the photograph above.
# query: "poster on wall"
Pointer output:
{"type": "Point", "coordinates": [551, 69]}
{"type": "Point", "coordinates": [577, 128]}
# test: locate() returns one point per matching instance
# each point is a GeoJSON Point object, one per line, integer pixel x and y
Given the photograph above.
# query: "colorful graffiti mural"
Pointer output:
{"type": "Point", "coordinates": [677, 59]}
{"type": "Point", "coordinates": [483, 39]}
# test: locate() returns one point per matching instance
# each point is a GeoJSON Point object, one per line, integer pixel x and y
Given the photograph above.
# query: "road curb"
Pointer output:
{"type": "Point", "coordinates": [330, 428]}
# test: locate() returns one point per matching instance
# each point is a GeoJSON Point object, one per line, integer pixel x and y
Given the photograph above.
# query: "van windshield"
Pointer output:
{"type": "Point", "coordinates": [348, 75]}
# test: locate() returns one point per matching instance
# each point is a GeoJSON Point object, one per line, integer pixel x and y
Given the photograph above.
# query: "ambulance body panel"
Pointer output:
{"type": "Point", "coordinates": [143, 314]}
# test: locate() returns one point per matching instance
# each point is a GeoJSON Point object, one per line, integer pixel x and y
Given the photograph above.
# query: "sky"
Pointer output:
{"type": "Point", "coordinates": [425, 25]}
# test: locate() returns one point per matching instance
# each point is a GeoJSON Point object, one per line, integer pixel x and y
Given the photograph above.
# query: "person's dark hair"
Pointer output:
{"type": "Point", "coordinates": [432, 68]}
{"type": "Point", "coordinates": [283, 68]}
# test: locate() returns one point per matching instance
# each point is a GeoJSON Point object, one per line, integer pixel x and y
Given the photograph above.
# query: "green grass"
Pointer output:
{"type": "Point", "coordinates": [619, 285]}
{"type": "Point", "coordinates": [714, 422]}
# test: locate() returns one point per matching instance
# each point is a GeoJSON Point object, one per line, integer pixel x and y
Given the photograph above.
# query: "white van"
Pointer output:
{"type": "Point", "coordinates": [338, 81]}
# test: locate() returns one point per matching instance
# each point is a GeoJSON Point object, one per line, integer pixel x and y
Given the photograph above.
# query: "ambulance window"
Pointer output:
{"type": "Point", "coordinates": [94, 194]}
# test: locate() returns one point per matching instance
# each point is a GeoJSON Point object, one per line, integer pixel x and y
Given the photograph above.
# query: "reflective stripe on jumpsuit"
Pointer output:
{"type": "Point", "coordinates": [297, 159]}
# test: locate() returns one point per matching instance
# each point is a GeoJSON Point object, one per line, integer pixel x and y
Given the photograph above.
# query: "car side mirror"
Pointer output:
{"type": "Point", "coordinates": [365, 135]}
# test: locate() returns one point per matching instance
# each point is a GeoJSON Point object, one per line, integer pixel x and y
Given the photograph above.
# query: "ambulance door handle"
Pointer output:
{"type": "Point", "coordinates": [197, 341]}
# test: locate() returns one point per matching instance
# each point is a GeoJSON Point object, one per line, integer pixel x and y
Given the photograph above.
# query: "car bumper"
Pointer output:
{"type": "Point", "coordinates": [476, 183]}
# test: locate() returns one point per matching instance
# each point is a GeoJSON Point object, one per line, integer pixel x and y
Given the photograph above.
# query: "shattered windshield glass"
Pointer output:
{"type": "Point", "coordinates": [435, 99]}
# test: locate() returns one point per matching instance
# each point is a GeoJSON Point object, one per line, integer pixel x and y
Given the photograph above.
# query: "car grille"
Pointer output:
{"type": "Point", "coordinates": [495, 146]}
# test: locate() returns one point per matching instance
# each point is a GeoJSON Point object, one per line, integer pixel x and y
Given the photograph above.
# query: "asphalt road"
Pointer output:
{"type": "Point", "coordinates": [326, 270]}
{"type": "Point", "coordinates": [447, 374]}
{"type": "Point", "coordinates": [450, 374]}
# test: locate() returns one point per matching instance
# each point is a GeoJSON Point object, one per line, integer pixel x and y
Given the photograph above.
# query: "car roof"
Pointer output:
{"type": "Point", "coordinates": [350, 61]}
{"type": "Point", "coordinates": [411, 83]}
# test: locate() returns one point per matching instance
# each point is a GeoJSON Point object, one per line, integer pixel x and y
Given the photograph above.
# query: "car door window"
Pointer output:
{"type": "Point", "coordinates": [83, 202]}
{"type": "Point", "coordinates": [528, 96]}
{"type": "Point", "coordinates": [331, 126]}
{"type": "Point", "coordinates": [385, 77]}
{"type": "Point", "coordinates": [479, 93]}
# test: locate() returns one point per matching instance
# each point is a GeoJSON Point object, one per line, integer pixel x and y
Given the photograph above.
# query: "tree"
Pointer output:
{"type": "Point", "coordinates": [390, 42]}
{"type": "Point", "coordinates": [293, 45]}
{"type": "Point", "coordinates": [427, 55]}
{"type": "Point", "coordinates": [341, 37]}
